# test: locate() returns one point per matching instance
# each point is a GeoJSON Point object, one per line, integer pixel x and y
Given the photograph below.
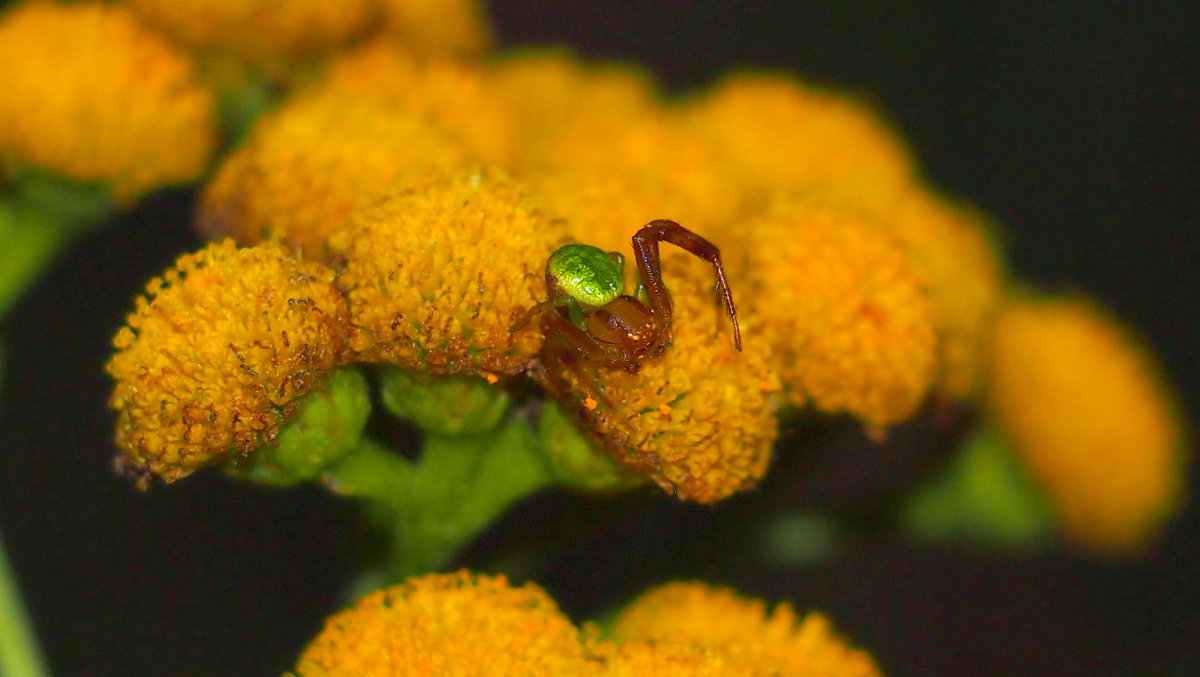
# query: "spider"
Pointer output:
{"type": "Point", "coordinates": [589, 318]}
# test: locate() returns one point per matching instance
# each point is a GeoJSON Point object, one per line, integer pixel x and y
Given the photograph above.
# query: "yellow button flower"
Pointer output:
{"type": "Point", "coordinates": [454, 625]}
{"type": "Point", "coordinates": [1092, 419]}
{"type": "Point", "coordinates": [90, 94]}
{"type": "Point", "coordinates": [309, 166]}
{"type": "Point", "coordinates": [775, 642]}
{"type": "Point", "coordinates": [952, 249]}
{"type": "Point", "coordinates": [439, 274]}
{"type": "Point", "coordinates": [700, 419]}
{"type": "Point", "coordinates": [670, 659]}
{"type": "Point", "coordinates": [558, 98]}
{"type": "Point", "coordinates": [775, 132]}
{"type": "Point", "coordinates": [454, 95]}
{"type": "Point", "coordinates": [263, 32]}
{"type": "Point", "coordinates": [218, 353]}
{"type": "Point", "coordinates": [439, 26]}
{"type": "Point", "coordinates": [842, 307]}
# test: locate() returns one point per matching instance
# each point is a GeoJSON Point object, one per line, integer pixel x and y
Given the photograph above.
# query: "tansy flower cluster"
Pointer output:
{"type": "Point", "coordinates": [463, 624]}
{"type": "Point", "coordinates": [427, 193]}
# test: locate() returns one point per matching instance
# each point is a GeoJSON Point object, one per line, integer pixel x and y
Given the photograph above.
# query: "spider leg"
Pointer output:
{"type": "Point", "coordinates": [645, 247]}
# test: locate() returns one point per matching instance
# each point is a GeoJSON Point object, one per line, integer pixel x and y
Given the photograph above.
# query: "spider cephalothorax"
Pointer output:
{"type": "Point", "coordinates": [588, 317]}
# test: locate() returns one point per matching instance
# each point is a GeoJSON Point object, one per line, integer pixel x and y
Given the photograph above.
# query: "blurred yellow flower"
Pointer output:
{"type": "Point", "coordinates": [700, 419]}
{"type": "Point", "coordinates": [953, 251]}
{"type": "Point", "coordinates": [463, 624]}
{"type": "Point", "coordinates": [841, 306]}
{"type": "Point", "coordinates": [776, 642]}
{"type": "Point", "coordinates": [1090, 416]}
{"type": "Point", "coordinates": [90, 94]}
{"type": "Point", "coordinates": [217, 354]}
{"type": "Point", "coordinates": [262, 32]}
{"type": "Point", "coordinates": [559, 99]}
{"type": "Point", "coordinates": [439, 26]}
{"type": "Point", "coordinates": [438, 274]}
{"type": "Point", "coordinates": [454, 95]}
{"type": "Point", "coordinates": [774, 132]}
{"type": "Point", "coordinates": [453, 625]}
{"type": "Point", "coordinates": [310, 165]}
{"type": "Point", "coordinates": [669, 659]}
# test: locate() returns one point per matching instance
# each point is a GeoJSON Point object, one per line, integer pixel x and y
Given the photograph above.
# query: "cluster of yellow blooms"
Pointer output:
{"type": "Point", "coordinates": [465, 624]}
{"type": "Point", "coordinates": [405, 198]}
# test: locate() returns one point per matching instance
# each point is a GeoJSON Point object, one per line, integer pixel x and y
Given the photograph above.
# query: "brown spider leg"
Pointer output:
{"type": "Point", "coordinates": [528, 317]}
{"type": "Point", "coordinates": [553, 365]}
{"type": "Point", "coordinates": [645, 247]}
{"type": "Point", "coordinates": [581, 344]}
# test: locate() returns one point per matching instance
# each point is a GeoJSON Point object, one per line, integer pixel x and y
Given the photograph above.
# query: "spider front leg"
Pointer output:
{"type": "Point", "coordinates": [645, 248]}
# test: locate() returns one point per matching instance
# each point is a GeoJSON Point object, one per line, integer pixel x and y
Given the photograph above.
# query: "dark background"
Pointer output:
{"type": "Point", "coordinates": [1076, 126]}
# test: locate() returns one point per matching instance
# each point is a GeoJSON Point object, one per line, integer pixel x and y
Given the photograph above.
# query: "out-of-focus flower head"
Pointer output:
{"type": "Point", "coordinates": [260, 32]}
{"type": "Point", "coordinates": [309, 166]}
{"type": "Point", "coordinates": [448, 624]}
{"type": "Point", "coordinates": [439, 26]}
{"type": "Point", "coordinates": [700, 419]}
{"type": "Point", "coordinates": [439, 274]}
{"type": "Point", "coordinates": [670, 659]}
{"type": "Point", "coordinates": [1090, 416]}
{"type": "Point", "coordinates": [952, 249]}
{"type": "Point", "coordinates": [92, 95]}
{"type": "Point", "coordinates": [778, 642]}
{"type": "Point", "coordinates": [601, 147]}
{"type": "Point", "coordinates": [773, 132]}
{"type": "Point", "coordinates": [454, 95]}
{"type": "Point", "coordinates": [842, 307]}
{"type": "Point", "coordinates": [560, 100]}
{"type": "Point", "coordinates": [217, 354]}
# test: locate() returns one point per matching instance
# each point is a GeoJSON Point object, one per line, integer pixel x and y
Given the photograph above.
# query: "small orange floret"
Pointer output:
{"type": "Point", "coordinates": [92, 95]}
{"type": "Point", "coordinates": [448, 624]}
{"type": "Point", "coordinates": [262, 32]}
{"type": "Point", "coordinates": [775, 642]}
{"type": "Point", "coordinates": [218, 354]}
{"type": "Point", "coordinates": [439, 275]}
{"type": "Point", "coordinates": [843, 308]}
{"type": "Point", "coordinates": [1090, 415]}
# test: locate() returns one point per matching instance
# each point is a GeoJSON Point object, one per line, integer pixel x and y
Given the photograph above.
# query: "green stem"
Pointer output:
{"type": "Point", "coordinates": [20, 655]}
{"type": "Point", "coordinates": [25, 249]}
{"type": "Point", "coordinates": [436, 506]}
{"type": "Point", "coordinates": [39, 216]}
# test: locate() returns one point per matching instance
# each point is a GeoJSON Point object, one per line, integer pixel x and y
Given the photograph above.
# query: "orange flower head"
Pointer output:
{"type": "Point", "coordinates": [437, 27]}
{"type": "Point", "coordinates": [700, 419]}
{"type": "Point", "coordinates": [447, 624]}
{"type": "Point", "coordinates": [1090, 416]}
{"type": "Point", "coordinates": [775, 642]}
{"type": "Point", "coordinates": [954, 253]}
{"type": "Point", "coordinates": [560, 102]}
{"type": "Point", "coordinates": [310, 165]}
{"type": "Point", "coordinates": [669, 659]}
{"type": "Point", "coordinates": [92, 95]}
{"type": "Point", "coordinates": [842, 307]}
{"type": "Point", "coordinates": [774, 132]}
{"type": "Point", "coordinates": [454, 95]}
{"type": "Point", "coordinates": [218, 353]}
{"type": "Point", "coordinates": [439, 275]}
{"type": "Point", "coordinates": [261, 32]}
